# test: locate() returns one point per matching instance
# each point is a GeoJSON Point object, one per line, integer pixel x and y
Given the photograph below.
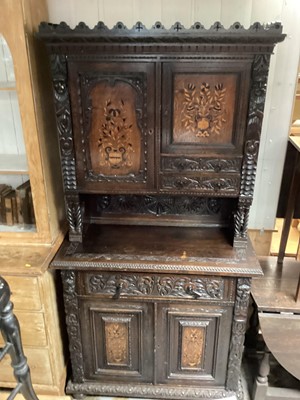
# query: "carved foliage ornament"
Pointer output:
{"type": "Point", "coordinates": [74, 214]}
{"type": "Point", "coordinates": [215, 185]}
{"type": "Point", "coordinates": [148, 391]}
{"type": "Point", "coordinates": [159, 205]}
{"type": "Point", "coordinates": [143, 285]}
{"type": "Point", "coordinates": [203, 109]}
{"type": "Point", "coordinates": [63, 119]}
{"type": "Point", "coordinates": [238, 335]}
{"type": "Point", "coordinates": [201, 164]}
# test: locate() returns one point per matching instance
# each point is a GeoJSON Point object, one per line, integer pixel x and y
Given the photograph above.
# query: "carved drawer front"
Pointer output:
{"type": "Point", "coordinates": [158, 286]}
{"type": "Point", "coordinates": [112, 106]}
{"type": "Point", "coordinates": [193, 344]}
{"type": "Point", "coordinates": [204, 107]}
{"type": "Point", "coordinates": [203, 184]}
{"type": "Point", "coordinates": [117, 341]}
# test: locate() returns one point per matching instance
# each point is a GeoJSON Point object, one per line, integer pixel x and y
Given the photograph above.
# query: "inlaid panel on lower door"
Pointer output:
{"type": "Point", "coordinates": [193, 343]}
{"type": "Point", "coordinates": [117, 340]}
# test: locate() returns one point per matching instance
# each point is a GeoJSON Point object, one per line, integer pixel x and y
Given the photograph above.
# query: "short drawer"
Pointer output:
{"type": "Point", "coordinates": [25, 293]}
{"type": "Point", "coordinates": [180, 164]}
{"type": "Point", "coordinates": [157, 286]}
{"type": "Point", "coordinates": [32, 327]}
{"type": "Point", "coordinates": [39, 364]}
{"type": "Point", "coordinates": [213, 184]}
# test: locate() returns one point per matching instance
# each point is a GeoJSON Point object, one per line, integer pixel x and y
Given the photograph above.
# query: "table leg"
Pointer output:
{"type": "Point", "coordinates": [294, 188]}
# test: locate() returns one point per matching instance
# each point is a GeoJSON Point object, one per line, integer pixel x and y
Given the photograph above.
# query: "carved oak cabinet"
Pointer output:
{"type": "Point", "coordinates": [159, 134]}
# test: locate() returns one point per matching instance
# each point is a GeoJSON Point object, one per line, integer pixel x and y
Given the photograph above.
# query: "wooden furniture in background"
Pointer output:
{"type": "Point", "coordinates": [279, 321]}
{"type": "Point", "coordinates": [10, 330]}
{"type": "Point", "coordinates": [29, 151]}
{"type": "Point", "coordinates": [294, 152]}
{"type": "Point", "coordinates": [159, 134]}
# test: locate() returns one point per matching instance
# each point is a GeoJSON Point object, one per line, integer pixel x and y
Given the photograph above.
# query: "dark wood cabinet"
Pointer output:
{"type": "Point", "coordinates": [159, 134]}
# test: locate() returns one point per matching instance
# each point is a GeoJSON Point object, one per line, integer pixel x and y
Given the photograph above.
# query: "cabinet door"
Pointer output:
{"type": "Point", "coordinates": [117, 340]}
{"type": "Point", "coordinates": [192, 345]}
{"type": "Point", "coordinates": [205, 107]}
{"type": "Point", "coordinates": [113, 120]}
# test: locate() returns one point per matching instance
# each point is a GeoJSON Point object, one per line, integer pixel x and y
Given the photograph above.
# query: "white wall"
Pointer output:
{"type": "Point", "coordinates": [283, 69]}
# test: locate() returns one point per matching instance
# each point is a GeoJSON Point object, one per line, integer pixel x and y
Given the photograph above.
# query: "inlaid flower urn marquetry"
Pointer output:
{"type": "Point", "coordinates": [159, 134]}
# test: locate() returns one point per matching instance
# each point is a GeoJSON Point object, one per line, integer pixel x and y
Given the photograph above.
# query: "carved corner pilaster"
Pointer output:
{"type": "Point", "coordinates": [73, 324]}
{"type": "Point", "coordinates": [237, 336]}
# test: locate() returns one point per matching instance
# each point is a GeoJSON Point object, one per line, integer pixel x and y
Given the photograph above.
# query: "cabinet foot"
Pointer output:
{"type": "Point", "coordinates": [78, 396]}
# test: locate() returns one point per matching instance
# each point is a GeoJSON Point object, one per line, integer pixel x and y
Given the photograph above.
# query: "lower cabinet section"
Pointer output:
{"type": "Point", "coordinates": [155, 342]}
{"type": "Point", "coordinates": [156, 335]}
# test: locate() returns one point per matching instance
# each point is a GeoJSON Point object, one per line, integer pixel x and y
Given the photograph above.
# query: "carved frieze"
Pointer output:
{"type": "Point", "coordinates": [160, 205]}
{"type": "Point", "coordinates": [156, 285]}
{"type": "Point", "coordinates": [149, 391]}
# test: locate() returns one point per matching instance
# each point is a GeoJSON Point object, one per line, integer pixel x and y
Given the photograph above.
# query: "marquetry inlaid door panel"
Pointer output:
{"type": "Point", "coordinates": [112, 107]}
{"type": "Point", "coordinates": [118, 340]}
{"type": "Point", "coordinates": [193, 343]}
{"type": "Point", "coordinates": [203, 126]}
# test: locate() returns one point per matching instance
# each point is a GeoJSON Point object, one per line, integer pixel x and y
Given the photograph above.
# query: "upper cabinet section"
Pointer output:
{"type": "Point", "coordinates": [147, 114]}
{"type": "Point", "coordinates": [27, 168]}
{"type": "Point", "coordinates": [158, 111]}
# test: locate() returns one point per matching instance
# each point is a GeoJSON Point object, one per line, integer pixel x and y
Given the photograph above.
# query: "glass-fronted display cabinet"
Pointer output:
{"type": "Point", "coordinates": [31, 201]}
{"type": "Point", "coordinates": [30, 207]}
{"type": "Point", "coordinates": [16, 205]}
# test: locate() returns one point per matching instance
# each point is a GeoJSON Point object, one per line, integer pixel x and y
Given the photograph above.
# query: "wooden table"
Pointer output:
{"type": "Point", "coordinates": [294, 151]}
{"type": "Point", "coordinates": [279, 320]}
{"type": "Point", "coordinates": [294, 144]}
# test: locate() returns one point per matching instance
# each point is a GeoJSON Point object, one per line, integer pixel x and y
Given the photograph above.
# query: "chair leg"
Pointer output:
{"type": "Point", "coordinates": [10, 330]}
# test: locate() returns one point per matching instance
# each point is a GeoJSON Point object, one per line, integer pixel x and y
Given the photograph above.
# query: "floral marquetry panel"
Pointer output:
{"type": "Point", "coordinates": [203, 108]}
{"type": "Point", "coordinates": [114, 135]}
{"type": "Point", "coordinates": [112, 124]}
{"type": "Point", "coordinates": [192, 347]}
{"type": "Point", "coordinates": [204, 111]}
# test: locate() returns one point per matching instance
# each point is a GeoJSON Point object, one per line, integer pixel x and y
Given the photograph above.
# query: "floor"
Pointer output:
{"type": "Point", "coordinates": [293, 240]}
